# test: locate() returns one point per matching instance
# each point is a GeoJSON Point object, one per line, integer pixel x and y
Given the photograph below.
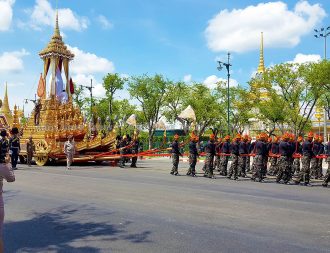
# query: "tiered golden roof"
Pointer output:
{"type": "Point", "coordinates": [5, 110]}
{"type": "Point", "coordinates": [56, 46]}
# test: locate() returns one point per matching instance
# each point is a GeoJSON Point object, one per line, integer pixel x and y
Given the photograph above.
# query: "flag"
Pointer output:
{"type": "Point", "coordinates": [58, 82]}
{"type": "Point", "coordinates": [131, 120]}
{"type": "Point", "coordinates": [41, 87]}
{"type": "Point", "coordinates": [71, 86]}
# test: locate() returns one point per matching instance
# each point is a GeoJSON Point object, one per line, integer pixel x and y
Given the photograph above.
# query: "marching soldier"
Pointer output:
{"type": "Point", "coordinates": [315, 159]}
{"type": "Point", "coordinates": [284, 172]}
{"type": "Point", "coordinates": [247, 168]}
{"type": "Point", "coordinates": [307, 150]}
{"type": "Point", "coordinates": [243, 152]}
{"type": "Point", "coordinates": [252, 153]}
{"type": "Point", "coordinates": [259, 159]}
{"type": "Point", "coordinates": [175, 151]}
{"type": "Point", "coordinates": [234, 155]}
{"type": "Point", "coordinates": [30, 149]}
{"type": "Point", "coordinates": [210, 152]}
{"type": "Point", "coordinates": [217, 162]}
{"type": "Point", "coordinates": [296, 156]}
{"type": "Point", "coordinates": [319, 172]}
{"type": "Point", "coordinates": [327, 176]}
{"type": "Point", "coordinates": [225, 150]}
{"type": "Point", "coordinates": [14, 147]}
{"type": "Point", "coordinates": [4, 146]}
{"type": "Point", "coordinates": [274, 151]}
{"type": "Point", "coordinates": [193, 154]}
{"type": "Point", "coordinates": [134, 151]}
{"type": "Point", "coordinates": [122, 151]}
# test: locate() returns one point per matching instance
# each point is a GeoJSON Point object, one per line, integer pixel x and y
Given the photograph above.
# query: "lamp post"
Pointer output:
{"type": "Point", "coordinates": [90, 88]}
{"type": "Point", "coordinates": [227, 65]}
{"type": "Point", "coordinates": [323, 33]}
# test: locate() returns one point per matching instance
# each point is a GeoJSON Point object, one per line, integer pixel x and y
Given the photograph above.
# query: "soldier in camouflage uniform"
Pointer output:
{"type": "Point", "coordinates": [243, 152]}
{"type": "Point", "coordinates": [193, 154]}
{"type": "Point", "coordinates": [233, 170]}
{"type": "Point", "coordinates": [315, 160]}
{"type": "Point", "coordinates": [225, 150]}
{"type": "Point", "coordinates": [217, 162]}
{"type": "Point", "coordinates": [297, 154]}
{"type": "Point", "coordinates": [284, 172]}
{"type": "Point", "coordinates": [122, 151]}
{"type": "Point", "coordinates": [175, 151]}
{"type": "Point", "coordinates": [327, 176]}
{"type": "Point", "coordinates": [210, 152]}
{"type": "Point", "coordinates": [248, 158]}
{"type": "Point", "coordinates": [134, 151]}
{"type": "Point", "coordinates": [307, 150]}
{"type": "Point", "coordinates": [274, 151]}
{"type": "Point", "coordinates": [319, 172]}
{"type": "Point", "coordinates": [259, 159]}
{"type": "Point", "coordinates": [253, 153]}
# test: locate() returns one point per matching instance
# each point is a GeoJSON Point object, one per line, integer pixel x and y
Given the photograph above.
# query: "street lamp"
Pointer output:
{"type": "Point", "coordinates": [227, 65]}
{"type": "Point", "coordinates": [90, 88]}
{"type": "Point", "coordinates": [323, 33]}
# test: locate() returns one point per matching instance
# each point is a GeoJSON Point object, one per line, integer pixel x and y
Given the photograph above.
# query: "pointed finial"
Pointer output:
{"type": "Point", "coordinates": [57, 29]}
{"type": "Point", "coordinates": [261, 67]}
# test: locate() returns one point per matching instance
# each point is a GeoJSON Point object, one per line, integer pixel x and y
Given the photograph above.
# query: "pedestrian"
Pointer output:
{"type": "Point", "coordinates": [273, 153]}
{"type": "Point", "coordinates": [122, 151]}
{"type": "Point", "coordinates": [327, 175]}
{"type": "Point", "coordinates": [307, 150]}
{"type": "Point", "coordinates": [225, 151]}
{"type": "Point", "coordinates": [193, 154]}
{"type": "Point", "coordinates": [259, 159]}
{"type": "Point", "coordinates": [30, 150]}
{"type": "Point", "coordinates": [284, 168]}
{"type": "Point", "coordinates": [69, 151]}
{"type": "Point", "coordinates": [134, 151]}
{"type": "Point", "coordinates": [175, 152]}
{"type": "Point", "coordinates": [209, 159]}
{"type": "Point", "coordinates": [233, 170]}
{"type": "Point", "coordinates": [7, 174]}
{"type": "Point", "coordinates": [14, 147]}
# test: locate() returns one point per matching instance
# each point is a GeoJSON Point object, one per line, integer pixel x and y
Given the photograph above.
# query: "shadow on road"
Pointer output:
{"type": "Point", "coordinates": [68, 229]}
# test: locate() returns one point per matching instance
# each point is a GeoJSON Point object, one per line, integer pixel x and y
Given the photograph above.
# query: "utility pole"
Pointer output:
{"type": "Point", "coordinates": [90, 88]}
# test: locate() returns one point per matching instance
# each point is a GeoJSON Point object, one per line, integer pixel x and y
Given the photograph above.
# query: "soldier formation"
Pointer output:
{"type": "Point", "coordinates": [128, 149]}
{"type": "Point", "coordinates": [279, 156]}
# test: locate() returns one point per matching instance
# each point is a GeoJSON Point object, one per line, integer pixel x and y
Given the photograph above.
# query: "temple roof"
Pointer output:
{"type": "Point", "coordinates": [56, 46]}
{"type": "Point", "coordinates": [261, 67]}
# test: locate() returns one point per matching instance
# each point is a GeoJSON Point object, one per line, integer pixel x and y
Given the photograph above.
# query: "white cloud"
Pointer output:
{"type": "Point", "coordinates": [43, 14]}
{"type": "Point", "coordinates": [89, 63]}
{"type": "Point", "coordinates": [105, 23]}
{"type": "Point", "coordinates": [303, 58]}
{"type": "Point", "coordinates": [239, 30]}
{"type": "Point", "coordinates": [187, 78]}
{"type": "Point", "coordinates": [6, 14]}
{"type": "Point", "coordinates": [12, 61]}
{"type": "Point", "coordinates": [211, 81]}
{"type": "Point", "coordinates": [83, 79]}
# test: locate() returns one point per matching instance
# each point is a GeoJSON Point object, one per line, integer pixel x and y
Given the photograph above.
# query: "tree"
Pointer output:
{"type": "Point", "coordinates": [150, 92]}
{"type": "Point", "coordinates": [112, 83]}
{"type": "Point", "coordinates": [78, 98]}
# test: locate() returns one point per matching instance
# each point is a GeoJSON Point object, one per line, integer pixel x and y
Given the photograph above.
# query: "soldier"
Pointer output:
{"type": "Point", "coordinates": [134, 151]}
{"type": "Point", "coordinates": [225, 150]}
{"type": "Point", "coordinates": [252, 152]}
{"type": "Point", "coordinates": [217, 162]}
{"type": "Point", "coordinates": [297, 154]}
{"type": "Point", "coordinates": [192, 155]}
{"type": "Point", "coordinates": [210, 152]}
{"type": "Point", "coordinates": [234, 156]}
{"type": "Point", "coordinates": [37, 110]}
{"type": "Point", "coordinates": [327, 176]}
{"type": "Point", "coordinates": [319, 172]}
{"type": "Point", "coordinates": [14, 147]}
{"type": "Point", "coordinates": [307, 150]}
{"type": "Point", "coordinates": [247, 168]}
{"type": "Point", "coordinates": [4, 146]}
{"type": "Point", "coordinates": [274, 151]}
{"type": "Point", "coordinates": [259, 159]}
{"type": "Point", "coordinates": [30, 149]}
{"type": "Point", "coordinates": [175, 151]}
{"type": "Point", "coordinates": [69, 150]}
{"type": "Point", "coordinates": [122, 151]}
{"type": "Point", "coordinates": [284, 168]}
{"type": "Point", "coordinates": [315, 159]}
{"type": "Point", "coordinates": [243, 152]}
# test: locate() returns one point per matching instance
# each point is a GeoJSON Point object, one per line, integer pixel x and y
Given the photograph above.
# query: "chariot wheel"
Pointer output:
{"type": "Point", "coordinates": [41, 156]}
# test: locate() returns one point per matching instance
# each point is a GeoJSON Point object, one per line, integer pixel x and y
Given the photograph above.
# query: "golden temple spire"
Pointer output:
{"type": "Point", "coordinates": [57, 29]}
{"type": "Point", "coordinates": [261, 67]}
{"type": "Point", "coordinates": [5, 105]}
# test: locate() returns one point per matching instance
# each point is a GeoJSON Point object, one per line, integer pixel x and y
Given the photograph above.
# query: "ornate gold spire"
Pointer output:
{"type": "Point", "coordinates": [56, 46]}
{"type": "Point", "coordinates": [261, 67]}
{"type": "Point", "coordinates": [5, 110]}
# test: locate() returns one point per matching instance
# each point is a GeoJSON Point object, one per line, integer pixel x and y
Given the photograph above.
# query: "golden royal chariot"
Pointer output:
{"type": "Point", "coordinates": [53, 120]}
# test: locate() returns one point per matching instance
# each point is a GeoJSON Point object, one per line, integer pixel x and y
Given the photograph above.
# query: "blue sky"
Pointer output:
{"type": "Point", "coordinates": [180, 39]}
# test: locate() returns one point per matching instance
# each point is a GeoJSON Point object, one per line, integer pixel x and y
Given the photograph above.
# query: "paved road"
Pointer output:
{"type": "Point", "coordinates": [106, 209]}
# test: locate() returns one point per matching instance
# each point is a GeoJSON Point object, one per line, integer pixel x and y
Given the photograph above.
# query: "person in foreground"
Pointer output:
{"type": "Point", "coordinates": [69, 150]}
{"type": "Point", "coordinates": [5, 173]}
